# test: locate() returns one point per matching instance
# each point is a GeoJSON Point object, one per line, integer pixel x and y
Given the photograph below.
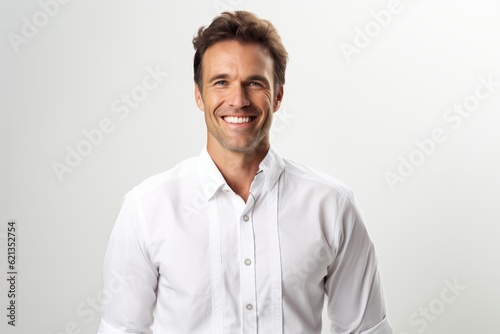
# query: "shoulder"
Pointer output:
{"type": "Point", "coordinates": [184, 170]}
{"type": "Point", "coordinates": [307, 176]}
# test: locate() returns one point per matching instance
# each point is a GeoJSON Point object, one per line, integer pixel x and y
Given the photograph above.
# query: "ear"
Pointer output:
{"type": "Point", "coordinates": [278, 99]}
{"type": "Point", "coordinates": [198, 98]}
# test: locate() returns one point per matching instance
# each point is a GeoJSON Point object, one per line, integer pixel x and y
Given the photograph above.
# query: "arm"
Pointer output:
{"type": "Point", "coordinates": [130, 278]}
{"type": "Point", "coordinates": [355, 298]}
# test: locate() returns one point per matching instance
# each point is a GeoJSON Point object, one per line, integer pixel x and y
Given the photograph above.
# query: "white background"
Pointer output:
{"type": "Point", "coordinates": [352, 117]}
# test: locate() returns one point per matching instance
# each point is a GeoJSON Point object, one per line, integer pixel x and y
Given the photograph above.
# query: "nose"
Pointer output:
{"type": "Point", "coordinates": [238, 97]}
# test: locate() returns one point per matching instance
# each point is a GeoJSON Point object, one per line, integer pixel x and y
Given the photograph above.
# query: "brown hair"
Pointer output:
{"type": "Point", "coordinates": [244, 27]}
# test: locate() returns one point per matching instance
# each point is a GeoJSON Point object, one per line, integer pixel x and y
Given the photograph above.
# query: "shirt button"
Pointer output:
{"type": "Point", "coordinates": [248, 262]}
{"type": "Point", "coordinates": [245, 218]}
{"type": "Point", "coordinates": [249, 307]}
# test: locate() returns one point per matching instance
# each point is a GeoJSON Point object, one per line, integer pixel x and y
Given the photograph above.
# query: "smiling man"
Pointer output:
{"type": "Point", "coordinates": [237, 95]}
{"type": "Point", "coordinates": [239, 239]}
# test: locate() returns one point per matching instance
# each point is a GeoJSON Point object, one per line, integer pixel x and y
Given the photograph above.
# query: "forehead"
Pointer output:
{"type": "Point", "coordinates": [235, 57]}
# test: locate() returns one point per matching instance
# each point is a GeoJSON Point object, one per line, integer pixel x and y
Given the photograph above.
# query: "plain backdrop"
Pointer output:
{"type": "Point", "coordinates": [364, 89]}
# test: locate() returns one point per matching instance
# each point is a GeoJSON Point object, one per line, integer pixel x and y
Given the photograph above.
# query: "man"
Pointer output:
{"type": "Point", "coordinates": [240, 240]}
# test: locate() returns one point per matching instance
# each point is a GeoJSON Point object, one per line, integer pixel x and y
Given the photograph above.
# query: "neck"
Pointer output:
{"type": "Point", "coordinates": [238, 168]}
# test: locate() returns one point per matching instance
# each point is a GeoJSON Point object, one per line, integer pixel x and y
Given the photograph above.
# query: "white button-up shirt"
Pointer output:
{"type": "Point", "coordinates": [188, 255]}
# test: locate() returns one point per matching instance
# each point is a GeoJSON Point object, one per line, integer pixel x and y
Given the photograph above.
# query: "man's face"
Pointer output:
{"type": "Point", "coordinates": [238, 96]}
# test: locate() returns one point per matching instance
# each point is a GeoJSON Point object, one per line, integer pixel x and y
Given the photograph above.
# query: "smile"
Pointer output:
{"type": "Point", "coordinates": [238, 120]}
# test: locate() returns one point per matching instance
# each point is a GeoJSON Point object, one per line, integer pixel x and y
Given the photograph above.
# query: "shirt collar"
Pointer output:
{"type": "Point", "coordinates": [211, 178]}
{"type": "Point", "coordinates": [272, 166]}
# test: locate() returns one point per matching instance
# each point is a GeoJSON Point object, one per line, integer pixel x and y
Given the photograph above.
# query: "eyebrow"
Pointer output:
{"type": "Point", "coordinates": [257, 77]}
{"type": "Point", "coordinates": [218, 77]}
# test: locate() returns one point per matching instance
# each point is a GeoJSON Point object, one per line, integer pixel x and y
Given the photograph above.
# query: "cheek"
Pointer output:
{"type": "Point", "coordinates": [214, 101]}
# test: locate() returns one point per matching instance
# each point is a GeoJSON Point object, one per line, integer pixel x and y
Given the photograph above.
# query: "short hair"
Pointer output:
{"type": "Point", "coordinates": [244, 27]}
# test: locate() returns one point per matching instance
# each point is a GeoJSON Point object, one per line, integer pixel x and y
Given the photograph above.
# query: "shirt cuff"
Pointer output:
{"type": "Point", "coordinates": [383, 327]}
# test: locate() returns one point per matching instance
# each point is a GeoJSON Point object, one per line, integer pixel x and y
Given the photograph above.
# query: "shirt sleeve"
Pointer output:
{"type": "Point", "coordinates": [130, 278]}
{"type": "Point", "coordinates": [355, 298]}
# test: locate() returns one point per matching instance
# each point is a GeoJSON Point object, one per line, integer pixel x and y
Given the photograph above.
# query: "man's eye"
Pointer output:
{"type": "Point", "coordinates": [222, 82]}
{"type": "Point", "coordinates": [255, 83]}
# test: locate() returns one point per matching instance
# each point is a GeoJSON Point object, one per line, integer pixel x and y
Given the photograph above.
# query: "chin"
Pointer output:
{"type": "Point", "coordinates": [239, 147]}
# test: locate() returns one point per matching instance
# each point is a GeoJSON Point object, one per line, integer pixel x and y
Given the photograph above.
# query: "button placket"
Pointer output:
{"type": "Point", "coordinates": [248, 282]}
{"type": "Point", "coordinates": [247, 270]}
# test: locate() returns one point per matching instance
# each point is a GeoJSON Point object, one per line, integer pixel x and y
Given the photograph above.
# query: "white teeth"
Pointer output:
{"type": "Point", "coordinates": [232, 119]}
